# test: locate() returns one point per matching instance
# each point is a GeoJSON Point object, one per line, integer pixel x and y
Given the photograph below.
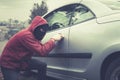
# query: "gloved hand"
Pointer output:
{"type": "Point", "coordinates": [58, 37]}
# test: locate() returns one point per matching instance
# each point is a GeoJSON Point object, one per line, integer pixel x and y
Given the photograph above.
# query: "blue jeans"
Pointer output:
{"type": "Point", "coordinates": [34, 64]}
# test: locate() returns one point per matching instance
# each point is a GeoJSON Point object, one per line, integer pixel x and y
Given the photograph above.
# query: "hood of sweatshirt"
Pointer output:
{"type": "Point", "coordinates": [37, 21]}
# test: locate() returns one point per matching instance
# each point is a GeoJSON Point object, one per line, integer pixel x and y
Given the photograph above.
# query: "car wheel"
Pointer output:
{"type": "Point", "coordinates": [113, 71]}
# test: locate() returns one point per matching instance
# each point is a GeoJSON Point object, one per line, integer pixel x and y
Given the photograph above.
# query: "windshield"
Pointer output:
{"type": "Point", "coordinates": [113, 4]}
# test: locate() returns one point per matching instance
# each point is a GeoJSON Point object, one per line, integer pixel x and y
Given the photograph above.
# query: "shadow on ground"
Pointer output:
{"type": "Point", "coordinates": [34, 78]}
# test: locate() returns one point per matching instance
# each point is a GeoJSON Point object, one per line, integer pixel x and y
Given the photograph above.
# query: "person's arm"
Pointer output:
{"type": "Point", "coordinates": [36, 47]}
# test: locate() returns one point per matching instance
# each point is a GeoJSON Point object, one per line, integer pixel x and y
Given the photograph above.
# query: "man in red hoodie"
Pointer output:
{"type": "Point", "coordinates": [17, 53]}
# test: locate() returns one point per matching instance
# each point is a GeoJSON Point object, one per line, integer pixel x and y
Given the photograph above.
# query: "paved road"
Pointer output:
{"type": "Point", "coordinates": [33, 78]}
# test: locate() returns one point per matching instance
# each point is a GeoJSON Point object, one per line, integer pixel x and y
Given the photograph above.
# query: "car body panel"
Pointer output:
{"type": "Point", "coordinates": [113, 17]}
{"type": "Point", "coordinates": [96, 40]}
{"type": "Point", "coordinates": [60, 3]}
{"type": "Point", "coordinates": [61, 48]}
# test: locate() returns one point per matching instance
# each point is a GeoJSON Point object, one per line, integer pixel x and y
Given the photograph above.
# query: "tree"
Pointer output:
{"type": "Point", "coordinates": [16, 21]}
{"type": "Point", "coordinates": [38, 10]}
{"type": "Point", "coordinates": [10, 22]}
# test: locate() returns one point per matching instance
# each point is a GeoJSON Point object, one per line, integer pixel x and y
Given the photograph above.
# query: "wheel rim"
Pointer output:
{"type": "Point", "coordinates": [115, 74]}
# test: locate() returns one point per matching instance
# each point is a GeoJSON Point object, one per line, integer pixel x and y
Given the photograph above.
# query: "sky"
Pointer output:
{"type": "Point", "coordinates": [20, 9]}
{"type": "Point", "coordinates": [16, 9]}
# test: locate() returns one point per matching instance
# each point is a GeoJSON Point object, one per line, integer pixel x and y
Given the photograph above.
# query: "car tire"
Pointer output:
{"type": "Point", "coordinates": [113, 70]}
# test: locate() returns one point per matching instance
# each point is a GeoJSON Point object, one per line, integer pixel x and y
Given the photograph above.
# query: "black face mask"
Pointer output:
{"type": "Point", "coordinates": [40, 31]}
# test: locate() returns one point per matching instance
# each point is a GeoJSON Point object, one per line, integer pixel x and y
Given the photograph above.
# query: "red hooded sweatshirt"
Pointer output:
{"type": "Point", "coordinates": [23, 45]}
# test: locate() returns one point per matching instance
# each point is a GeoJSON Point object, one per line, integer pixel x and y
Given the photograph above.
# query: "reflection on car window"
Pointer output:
{"type": "Point", "coordinates": [60, 18]}
{"type": "Point", "coordinates": [68, 15]}
{"type": "Point", "coordinates": [81, 14]}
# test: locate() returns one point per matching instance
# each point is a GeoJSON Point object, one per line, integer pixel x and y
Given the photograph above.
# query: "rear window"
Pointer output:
{"type": "Point", "coordinates": [113, 4]}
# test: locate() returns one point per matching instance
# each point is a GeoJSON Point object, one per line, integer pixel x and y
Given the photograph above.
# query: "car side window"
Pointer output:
{"type": "Point", "coordinates": [60, 17]}
{"type": "Point", "coordinates": [81, 14]}
{"type": "Point", "coordinates": [57, 20]}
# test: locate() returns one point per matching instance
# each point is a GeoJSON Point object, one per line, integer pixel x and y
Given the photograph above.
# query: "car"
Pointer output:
{"type": "Point", "coordinates": [90, 49]}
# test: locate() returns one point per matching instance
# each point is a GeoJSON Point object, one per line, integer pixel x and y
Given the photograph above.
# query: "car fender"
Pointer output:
{"type": "Point", "coordinates": [110, 49]}
{"type": "Point", "coordinates": [98, 60]}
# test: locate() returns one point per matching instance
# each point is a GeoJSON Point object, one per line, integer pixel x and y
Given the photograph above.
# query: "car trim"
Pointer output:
{"type": "Point", "coordinates": [70, 55]}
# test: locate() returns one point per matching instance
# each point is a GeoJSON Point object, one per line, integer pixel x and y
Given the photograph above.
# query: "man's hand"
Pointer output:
{"type": "Point", "coordinates": [58, 37]}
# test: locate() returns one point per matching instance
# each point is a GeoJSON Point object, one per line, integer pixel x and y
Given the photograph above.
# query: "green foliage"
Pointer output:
{"type": "Point", "coordinates": [38, 10]}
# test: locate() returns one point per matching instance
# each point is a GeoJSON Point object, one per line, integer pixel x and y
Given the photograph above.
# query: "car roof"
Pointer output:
{"type": "Point", "coordinates": [98, 8]}
{"type": "Point", "coordinates": [52, 5]}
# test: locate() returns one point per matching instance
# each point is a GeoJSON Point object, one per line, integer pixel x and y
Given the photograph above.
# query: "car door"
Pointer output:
{"type": "Point", "coordinates": [82, 23]}
{"type": "Point", "coordinates": [59, 22]}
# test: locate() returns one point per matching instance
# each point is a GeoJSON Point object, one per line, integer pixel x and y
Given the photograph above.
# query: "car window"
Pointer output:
{"type": "Point", "coordinates": [61, 17]}
{"type": "Point", "coordinates": [81, 14]}
{"type": "Point", "coordinates": [57, 20]}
